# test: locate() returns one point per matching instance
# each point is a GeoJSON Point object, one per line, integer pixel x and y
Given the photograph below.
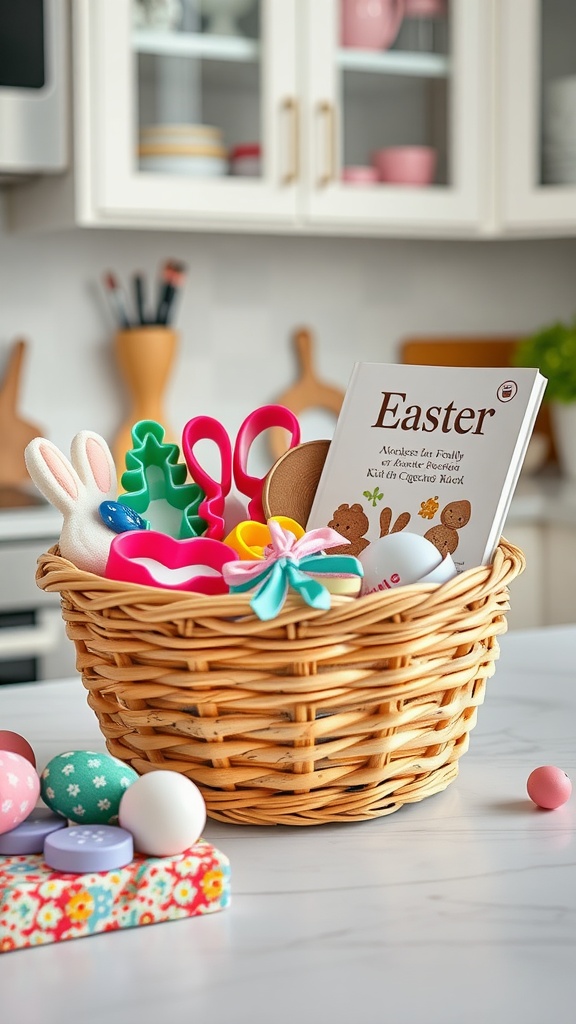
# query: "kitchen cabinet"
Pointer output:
{"type": "Point", "coordinates": [545, 593]}
{"type": "Point", "coordinates": [360, 100]}
{"type": "Point", "coordinates": [536, 117]}
{"type": "Point", "coordinates": [132, 78]}
{"type": "Point", "coordinates": [527, 597]}
{"type": "Point", "coordinates": [489, 87]}
{"type": "Point", "coordinates": [559, 554]}
{"type": "Point", "coordinates": [542, 522]}
{"type": "Point", "coordinates": [284, 81]}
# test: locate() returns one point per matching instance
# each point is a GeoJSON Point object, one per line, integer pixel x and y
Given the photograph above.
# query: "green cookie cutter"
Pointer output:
{"type": "Point", "coordinates": [156, 487]}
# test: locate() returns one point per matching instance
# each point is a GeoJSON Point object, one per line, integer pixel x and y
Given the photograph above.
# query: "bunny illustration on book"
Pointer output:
{"type": "Point", "coordinates": [400, 523]}
{"type": "Point", "coordinates": [352, 522]}
{"type": "Point", "coordinates": [77, 489]}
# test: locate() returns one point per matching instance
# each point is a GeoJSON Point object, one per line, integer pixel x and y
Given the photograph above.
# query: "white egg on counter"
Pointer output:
{"type": "Point", "coordinates": [164, 811]}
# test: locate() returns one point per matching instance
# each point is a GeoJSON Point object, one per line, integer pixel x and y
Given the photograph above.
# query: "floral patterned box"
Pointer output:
{"type": "Point", "coordinates": [39, 905]}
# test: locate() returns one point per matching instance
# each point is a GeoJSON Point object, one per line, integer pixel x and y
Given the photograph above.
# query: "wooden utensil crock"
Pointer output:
{"type": "Point", "coordinates": [145, 357]}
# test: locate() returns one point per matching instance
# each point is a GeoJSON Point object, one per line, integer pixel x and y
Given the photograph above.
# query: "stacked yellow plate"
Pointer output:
{"type": "Point", "coordinates": [194, 149]}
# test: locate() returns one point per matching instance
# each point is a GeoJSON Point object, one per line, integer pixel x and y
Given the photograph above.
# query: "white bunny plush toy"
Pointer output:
{"type": "Point", "coordinates": [77, 490]}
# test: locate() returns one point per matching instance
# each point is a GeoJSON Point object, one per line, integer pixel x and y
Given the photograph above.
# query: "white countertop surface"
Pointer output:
{"type": "Point", "coordinates": [35, 522]}
{"type": "Point", "coordinates": [460, 909]}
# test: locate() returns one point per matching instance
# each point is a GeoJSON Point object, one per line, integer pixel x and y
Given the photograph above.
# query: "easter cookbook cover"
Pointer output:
{"type": "Point", "coordinates": [435, 450]}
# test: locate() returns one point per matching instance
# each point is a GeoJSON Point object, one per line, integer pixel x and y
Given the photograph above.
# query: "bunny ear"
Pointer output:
{"type": "Point", "coordinates": [53, 475]}
{"type": "Point", "coordinates": [401, 522]}
{"type": "Point", "coordinates": [385, 520]}
{"type": "Point", "coordinates": [93, 461]}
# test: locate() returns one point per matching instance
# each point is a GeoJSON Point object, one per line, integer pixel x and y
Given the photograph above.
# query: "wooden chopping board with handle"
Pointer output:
{"type": "Point", "coordinates": [15, 431]}
{"type": "Point", "coordinates": [472, 350]}
{"type": "Point", "coordinates": [307, 393]}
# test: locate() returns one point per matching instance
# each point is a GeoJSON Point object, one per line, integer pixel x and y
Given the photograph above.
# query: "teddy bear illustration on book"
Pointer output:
{"type": "Point", "coordinates": [352, 522]}
{"type": "Point", "coordinates": [453, 517]}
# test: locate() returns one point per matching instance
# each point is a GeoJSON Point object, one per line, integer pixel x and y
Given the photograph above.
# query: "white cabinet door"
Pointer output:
{"type": "Point", "coordinates": [431, 90]}
{"type": "Point", "coordinates": [285, 80]}
{"type": "Point", "coordinates": [132, 78]}
{"type": "Point", "coordinates": [536, 104]}
{"type": "Point", "coordinates": [527, 591]}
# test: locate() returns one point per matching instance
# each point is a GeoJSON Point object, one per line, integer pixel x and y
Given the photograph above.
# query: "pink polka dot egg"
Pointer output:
{"type": "Point", "coordinates": [549, 787]}
{"type": "Point", "coordinates": [19, 789]}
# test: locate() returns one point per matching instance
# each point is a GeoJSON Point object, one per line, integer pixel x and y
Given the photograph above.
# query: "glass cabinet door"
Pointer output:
{"type": "Point", "coordinates": [537, 102]}
{"type": "Point", "coordinates": [195, 109]}
{"type": "Point", "coordinates": [398, 93]}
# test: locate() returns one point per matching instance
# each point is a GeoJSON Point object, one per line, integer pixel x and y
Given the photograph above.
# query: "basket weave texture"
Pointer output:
{"type": "Point", "coordinates": [315, 716]}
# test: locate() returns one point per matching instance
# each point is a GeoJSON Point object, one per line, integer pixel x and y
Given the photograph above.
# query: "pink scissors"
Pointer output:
{"type": "Point", "coordinates": [233, 461]}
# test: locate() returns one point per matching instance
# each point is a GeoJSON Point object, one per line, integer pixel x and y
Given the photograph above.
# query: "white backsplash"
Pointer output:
{"type": "Point", "coordinates": [243, 298]}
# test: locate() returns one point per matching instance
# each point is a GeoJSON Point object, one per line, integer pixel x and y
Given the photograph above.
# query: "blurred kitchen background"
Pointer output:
{"type": "Point", "coordinates": [373, 171]}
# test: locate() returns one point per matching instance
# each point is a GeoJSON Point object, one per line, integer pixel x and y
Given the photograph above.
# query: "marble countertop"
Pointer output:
{"type": "Point", "coordinates": [458, 908]}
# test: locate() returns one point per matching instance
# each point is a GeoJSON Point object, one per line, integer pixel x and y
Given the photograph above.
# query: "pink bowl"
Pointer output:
{"type": "Point", "coordinates": [406, 165]}
{"type": "Point", "coordinates": [359, 174]}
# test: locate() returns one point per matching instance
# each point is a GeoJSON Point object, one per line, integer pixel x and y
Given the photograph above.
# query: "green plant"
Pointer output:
{"type": "Point", "coordinates": [553, 350]}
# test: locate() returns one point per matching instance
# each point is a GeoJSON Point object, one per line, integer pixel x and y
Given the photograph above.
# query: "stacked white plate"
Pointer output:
{"type": "Point", "coordinates": [194, 149]}
{"type": "Point", "coordinates": [559, 131]}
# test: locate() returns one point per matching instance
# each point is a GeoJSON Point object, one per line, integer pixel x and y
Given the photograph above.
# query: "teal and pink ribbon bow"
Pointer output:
{"type": "Point", "coordinates": [287, 562]}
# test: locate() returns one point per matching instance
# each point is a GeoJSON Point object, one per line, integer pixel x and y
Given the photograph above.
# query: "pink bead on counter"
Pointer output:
{"type": "Point", "coordinates": [549, 787]}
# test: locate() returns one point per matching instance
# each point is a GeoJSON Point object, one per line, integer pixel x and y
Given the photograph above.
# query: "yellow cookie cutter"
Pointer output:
{"type": "Point", "coordinates": [250, 538]}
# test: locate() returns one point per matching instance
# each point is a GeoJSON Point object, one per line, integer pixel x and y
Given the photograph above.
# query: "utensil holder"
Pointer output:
{"type": "Point", "coordinates": [145, 356]}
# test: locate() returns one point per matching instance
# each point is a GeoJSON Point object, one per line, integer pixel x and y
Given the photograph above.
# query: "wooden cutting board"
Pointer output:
{"type": "Point", "coordinates": [459, 350]}
{"type": "Point", "coordinates": [308, 393]}
{"type": "Point", "coordinates": [16, 432]}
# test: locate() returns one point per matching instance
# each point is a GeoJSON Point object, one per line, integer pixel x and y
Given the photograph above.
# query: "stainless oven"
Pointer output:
{"type": "Point", "coordinates": [33, 643]}
{"type": "Point", "coordinates": [33, 87]}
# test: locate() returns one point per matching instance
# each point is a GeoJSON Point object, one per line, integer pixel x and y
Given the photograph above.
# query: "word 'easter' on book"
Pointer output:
{"type": "Point", "coordinates": [428, 420]}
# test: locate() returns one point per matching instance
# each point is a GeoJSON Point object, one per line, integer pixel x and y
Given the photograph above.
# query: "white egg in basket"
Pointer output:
{"type": "Point", "coordinates": [400, 559]}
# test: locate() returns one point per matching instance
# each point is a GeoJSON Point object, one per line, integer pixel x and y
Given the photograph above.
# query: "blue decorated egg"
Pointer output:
{"type": "Point", "coordinates": [85, 786]}
{"type": "Point", "coordinates": [121, 518]}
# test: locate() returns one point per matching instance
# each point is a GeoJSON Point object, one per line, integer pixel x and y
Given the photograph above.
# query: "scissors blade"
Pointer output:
{"type": "Point", "coordinates": [206, 428]}
{"type": "Point", "coordinates": [256, 423]}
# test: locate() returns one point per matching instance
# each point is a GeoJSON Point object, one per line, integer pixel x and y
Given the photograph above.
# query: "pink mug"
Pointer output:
{"type": "Point", "coordinates": [370, 24]}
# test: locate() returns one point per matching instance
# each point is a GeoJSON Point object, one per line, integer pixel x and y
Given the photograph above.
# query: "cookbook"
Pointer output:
{"type": "Point", "coordinates": [435, 450]}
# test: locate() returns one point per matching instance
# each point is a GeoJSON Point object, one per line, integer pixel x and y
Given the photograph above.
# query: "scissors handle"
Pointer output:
{"type": "Point", "coordinates": [206, 428]}
{"type": "Point", "coordinates": [256, 423]}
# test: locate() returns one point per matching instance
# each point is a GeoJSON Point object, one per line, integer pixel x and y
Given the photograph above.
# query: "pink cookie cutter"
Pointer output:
{"type": "Point", "coordinates": [153, 559]}
{"type": "Point", "coordinates": [234, 461]}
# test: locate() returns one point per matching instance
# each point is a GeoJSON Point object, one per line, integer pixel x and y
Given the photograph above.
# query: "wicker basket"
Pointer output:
{"type": "Point", "coordinates": [341, 715]}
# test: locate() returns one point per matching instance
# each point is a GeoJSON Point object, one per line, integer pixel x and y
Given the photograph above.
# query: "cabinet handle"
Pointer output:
{"type": "Point", "coordinates": [328, 116]}
{"type": "Point", "coordinates": [291, 110]}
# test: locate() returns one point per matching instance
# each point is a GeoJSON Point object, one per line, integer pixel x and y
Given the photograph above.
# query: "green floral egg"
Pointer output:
{"type": "Point", "coordinates": [86, 786]}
